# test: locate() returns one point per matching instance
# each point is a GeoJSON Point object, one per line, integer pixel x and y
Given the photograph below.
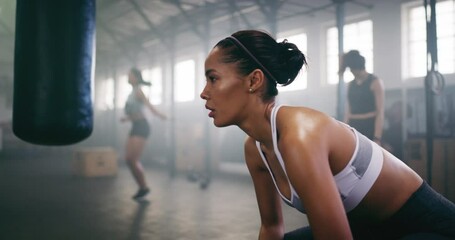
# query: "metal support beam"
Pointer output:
{"type": "Point", "coordinates": [114, 73]}
{"type": "Point", "coordinates": [173, 147]}
{"type": "Point", "coordinates": [434, 81]}
{"type": "Point", "coordinates": [341, 85]}
{"type": "Point", "coordinates": [207, 123]}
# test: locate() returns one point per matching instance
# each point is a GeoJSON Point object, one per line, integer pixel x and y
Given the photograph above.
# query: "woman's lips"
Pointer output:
{"type": "Point", "coordinates": [212, 111]}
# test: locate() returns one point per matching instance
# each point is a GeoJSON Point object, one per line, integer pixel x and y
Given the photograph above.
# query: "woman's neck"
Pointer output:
{"type": "Point", "coordinates": [360, 76]}
{"type": "Point", "coordinates": [257, 123]}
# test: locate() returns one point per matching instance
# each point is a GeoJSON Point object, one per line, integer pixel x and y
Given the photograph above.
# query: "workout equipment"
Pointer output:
{"type": "Point", "coordinates": [434, 81]}
{"type": "Point", "coordinates": [95, 162]}
{"type": "Point", "coordinates": [53, 71]}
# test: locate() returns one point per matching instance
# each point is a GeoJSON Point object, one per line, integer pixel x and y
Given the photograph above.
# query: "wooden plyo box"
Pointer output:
{"type": "Point", "coordinates": [95, 162]}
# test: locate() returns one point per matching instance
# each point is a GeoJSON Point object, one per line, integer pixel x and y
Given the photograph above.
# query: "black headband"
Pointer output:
{"type": "Point", "coordinates": [240, 45]}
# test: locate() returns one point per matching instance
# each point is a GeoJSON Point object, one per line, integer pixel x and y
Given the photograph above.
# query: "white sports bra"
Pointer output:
{"type": "Point", "coordinates": [353, 182]}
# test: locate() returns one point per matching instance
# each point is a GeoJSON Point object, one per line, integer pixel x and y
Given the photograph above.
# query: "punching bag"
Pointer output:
{"type": "Point", "coordinates": [53, 70]}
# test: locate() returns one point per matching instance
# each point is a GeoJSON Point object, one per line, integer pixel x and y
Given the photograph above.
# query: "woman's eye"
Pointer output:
{"type": "Point", "coordinates": [212, 78]}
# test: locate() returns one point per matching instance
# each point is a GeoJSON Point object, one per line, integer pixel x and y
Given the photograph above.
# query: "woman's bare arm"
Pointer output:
{"type": "Point", "coordinates": [378, 90]}
{"type": "Point", "coordinates": [305, 149]}
{"type": "Point", "coordinates": [269, 202]}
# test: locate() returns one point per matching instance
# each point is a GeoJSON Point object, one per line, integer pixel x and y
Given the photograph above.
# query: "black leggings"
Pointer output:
{"type": "Point", "coordinates": [426, 215]}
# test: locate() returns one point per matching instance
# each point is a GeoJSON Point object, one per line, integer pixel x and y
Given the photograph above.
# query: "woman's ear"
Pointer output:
{"type": "Point", "coordinates": [256, 79]}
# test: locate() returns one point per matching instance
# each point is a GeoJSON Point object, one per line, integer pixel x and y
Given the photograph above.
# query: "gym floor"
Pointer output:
{"type": "Point", "coordinates": [41, 199]}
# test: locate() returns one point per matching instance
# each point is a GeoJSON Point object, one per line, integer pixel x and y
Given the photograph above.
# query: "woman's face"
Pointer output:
{"type": "Point", "coordinates": [225, 92]}
{"type": "Point", "coordinates": [132, 78]}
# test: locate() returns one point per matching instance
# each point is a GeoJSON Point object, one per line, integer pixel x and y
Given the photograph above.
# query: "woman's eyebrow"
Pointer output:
{"type": "Point", "coordinates": [207, 72]}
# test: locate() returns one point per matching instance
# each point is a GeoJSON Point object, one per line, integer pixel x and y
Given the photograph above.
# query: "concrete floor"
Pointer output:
{"type": "Point", "coordinates": [41, 199]}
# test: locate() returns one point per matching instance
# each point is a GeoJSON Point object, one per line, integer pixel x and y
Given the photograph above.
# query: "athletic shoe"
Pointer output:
{"type": "Point", "coordinates": [141, 193]}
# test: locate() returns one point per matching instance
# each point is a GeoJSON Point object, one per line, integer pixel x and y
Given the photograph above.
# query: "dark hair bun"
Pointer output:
{"type": "Point", "coordinates": [354, 52]}
{"type": "Point", "coordinates": [290, 61]}
{"type": "Point", "coordinates": [354, 60]}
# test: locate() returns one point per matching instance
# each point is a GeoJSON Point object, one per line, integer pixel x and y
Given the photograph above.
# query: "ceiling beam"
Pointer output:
{"type": "Point", "coordinates": [194, 28]}
{"type": "Point", "coordinates": [105, 4]}
{"type": "Point", "coordinates": [235, 9]}
{"type": "Point", "coordinates": [273, 6]}
{"type": "Point", "coordinates": [112, 35]}
{"type": "Point", "coordinates": [149, 23]}
{"type": "Point", "coordinates": [6, 27]}
{"type": "Point", "coordinates": [365, 5]}
{"type": "Point", "coordinates": [270, 10]}
{"type": "Point", "coordinates": [264, 10]}
{"type": "Point", "coordinates": [312, 10]}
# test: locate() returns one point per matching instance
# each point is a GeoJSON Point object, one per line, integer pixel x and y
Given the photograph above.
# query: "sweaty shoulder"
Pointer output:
{"type": "Point", "coordinates": [302, 121]}
{"type": "Point", "coordinates": [314, 135]}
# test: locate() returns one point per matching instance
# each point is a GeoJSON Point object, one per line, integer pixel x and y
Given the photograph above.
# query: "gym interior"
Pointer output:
{"type": "Point", "coordinates": [200, 185]}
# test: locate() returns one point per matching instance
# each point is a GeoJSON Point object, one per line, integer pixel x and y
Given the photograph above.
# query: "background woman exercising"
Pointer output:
{"type": "Point", "coordinates": [140, 129]}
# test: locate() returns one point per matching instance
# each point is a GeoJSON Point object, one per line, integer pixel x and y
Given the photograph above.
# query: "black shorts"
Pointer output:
{"type": "Point", "coordinates": [140, 128]}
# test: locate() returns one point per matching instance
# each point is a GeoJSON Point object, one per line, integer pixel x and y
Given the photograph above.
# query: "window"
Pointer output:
{"type": "Point", "coordinates": [185, 79]}
{"type": "Point", "coordinates": [416, 57]}
{"type": "Point", "coordinates": [155, 92]}
{"type": "Point", "coordinates": [124, 89]}
{"type": "Point", "coordinates": [106, 92]}
{"type": "Point", "coordinates": [357, 36]}
{"type": "Point", "coordinates": [300, 82]}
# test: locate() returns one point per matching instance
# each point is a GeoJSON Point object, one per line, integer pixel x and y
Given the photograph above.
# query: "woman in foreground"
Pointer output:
{"type": "Point", "coordinates": [347, 185]}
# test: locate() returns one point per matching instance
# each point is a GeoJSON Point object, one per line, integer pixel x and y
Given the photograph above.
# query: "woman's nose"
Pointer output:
{"type": "Point", "coordinates": [203, 94]}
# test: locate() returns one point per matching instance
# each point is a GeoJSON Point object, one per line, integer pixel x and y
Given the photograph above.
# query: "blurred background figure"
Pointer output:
{"type": "Point", "coordinates": [365, 103]}
{"type": "Point", "coordinates": [140, 129]}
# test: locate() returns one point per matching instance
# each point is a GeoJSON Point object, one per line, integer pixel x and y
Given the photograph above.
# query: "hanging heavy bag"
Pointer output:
{"type": "Point", "coordinates": [53, 70]}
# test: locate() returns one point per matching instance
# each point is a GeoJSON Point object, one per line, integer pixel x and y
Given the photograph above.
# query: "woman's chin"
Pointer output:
{"type": "Point", "coordinates": [217, 124]}
{"type": "Point", "coordinates": [220, 124]}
